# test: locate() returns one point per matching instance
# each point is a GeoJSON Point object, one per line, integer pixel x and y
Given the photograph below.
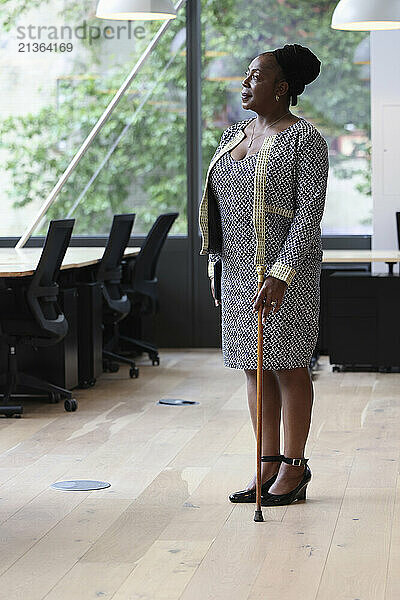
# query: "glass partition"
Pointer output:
{"type": "Point", "coordinates": [337, 102]}
{"type": "Point", "coordinates": [60, 67]}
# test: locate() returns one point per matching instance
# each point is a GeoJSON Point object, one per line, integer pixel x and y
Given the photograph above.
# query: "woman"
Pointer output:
{"type": "Point", "coordinates": [262, 204]}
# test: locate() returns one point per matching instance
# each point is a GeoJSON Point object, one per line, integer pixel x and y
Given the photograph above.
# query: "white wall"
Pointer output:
{"type": "Point", "coordinates": [385, 137]}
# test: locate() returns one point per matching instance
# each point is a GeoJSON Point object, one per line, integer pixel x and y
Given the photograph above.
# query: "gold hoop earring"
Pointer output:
{"type": "Point", "coordinates": [277, 98]}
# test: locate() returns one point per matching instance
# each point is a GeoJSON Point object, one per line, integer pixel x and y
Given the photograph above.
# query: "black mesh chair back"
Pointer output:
{"type": "Point", "coordinates": [142, 270]}
{"type": "Point", "coordinates": [42, 291]}
{"type": "Point", "coordinates": [109, 271]}
{"type": "Point", "coordinates": [141, 283]}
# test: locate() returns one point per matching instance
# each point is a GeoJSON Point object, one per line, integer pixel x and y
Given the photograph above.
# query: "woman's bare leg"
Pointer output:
{"type": "Point", "coordinates": [297, 399]}
{"type": "Point", "coordinates": [271, 419]}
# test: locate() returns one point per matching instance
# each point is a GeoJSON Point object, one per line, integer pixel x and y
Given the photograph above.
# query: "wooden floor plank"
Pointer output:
{"type": "Point", "coordinates": [298, 548]}
{"type": "Point", "coordinates": [357, 560]}
{"type": "Point", "coordinates": [165, 529]}
{"type": "Point", "coordinates": [393, 578]}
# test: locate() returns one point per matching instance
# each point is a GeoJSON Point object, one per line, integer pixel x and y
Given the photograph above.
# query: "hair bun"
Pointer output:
{"type": "Point", "coordinates": [300, 66]}
{"type": "Point", "coordinates": [308, 64]}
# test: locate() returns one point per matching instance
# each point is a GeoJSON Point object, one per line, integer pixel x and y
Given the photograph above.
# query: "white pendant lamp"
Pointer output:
{"type": "Point", "coordinates": [135, 10]}
{"type": "Point", "coordinates": [366, 15]}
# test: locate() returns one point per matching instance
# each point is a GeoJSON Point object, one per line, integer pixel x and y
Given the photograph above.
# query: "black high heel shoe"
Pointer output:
{"type": "Point", "coordinates": [250, 495]}
{"type": "Point", "coordinates": [299, 492]}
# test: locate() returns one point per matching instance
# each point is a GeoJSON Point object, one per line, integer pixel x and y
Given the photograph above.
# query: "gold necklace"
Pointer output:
{"type": "Point", "coordinates": [252, 135]}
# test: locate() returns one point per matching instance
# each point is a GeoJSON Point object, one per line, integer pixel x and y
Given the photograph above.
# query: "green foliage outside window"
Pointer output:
{"type": "Point", "coordinates": [150, 160]}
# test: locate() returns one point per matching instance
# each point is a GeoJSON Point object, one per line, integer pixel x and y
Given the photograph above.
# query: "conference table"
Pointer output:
{"type": "Point", "coordinates": [22, 262]}
{"type": "Point", "coordinates": [81, 301]}
{"type": "Point", "coordinates": [359, 317]}
{"type": "Point", "coordinates": [390, 257]}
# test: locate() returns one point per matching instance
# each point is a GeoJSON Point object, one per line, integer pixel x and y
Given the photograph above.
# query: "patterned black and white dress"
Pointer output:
{"type": "Point", "coordinates": [291, 334]}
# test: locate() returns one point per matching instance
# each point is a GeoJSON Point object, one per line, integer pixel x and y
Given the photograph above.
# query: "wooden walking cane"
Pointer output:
{"type": "Point", "coordinates": [258, 516]}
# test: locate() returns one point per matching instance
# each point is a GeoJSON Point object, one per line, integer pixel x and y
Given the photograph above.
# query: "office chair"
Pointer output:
{"type": "Point", "coordinates": [31, 315]}
{"type": "Point", "coordinates": [141, 286]}
{"type": "Point", "coordinates": [116, 304]}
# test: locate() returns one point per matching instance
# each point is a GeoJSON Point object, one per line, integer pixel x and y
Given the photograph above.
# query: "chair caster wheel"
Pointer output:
{"type": "Point", "coordinates": [54, 397]}
{"type": "Point", "coordinates": [133, 372]}
{"type": "Point", "coordinates": [70, 405]}
{"type": "Point", "coordinates": [87, 384]}
{"type": "Point", "coordinates": [12, 411]}
{"type": "Point", "coordinates": [155, 359]}
{"type": "Point", "coordinates": [113, 367]}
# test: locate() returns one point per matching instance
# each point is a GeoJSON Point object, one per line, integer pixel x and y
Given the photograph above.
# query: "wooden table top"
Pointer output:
{"type": "Point", "coordinates": [23, 261]}
{"type": "Point", "coordinates": [361, 256]}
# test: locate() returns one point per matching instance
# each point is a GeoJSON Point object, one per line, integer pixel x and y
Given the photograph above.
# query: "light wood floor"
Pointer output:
{"type": "Point", "coordinates": [165, 529]}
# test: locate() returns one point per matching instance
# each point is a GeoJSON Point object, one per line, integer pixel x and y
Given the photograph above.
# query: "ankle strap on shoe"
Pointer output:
{"type": "Point", "coordinates": [297, 462]}
{"type": "Point", "coordinates": [277, 458]}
